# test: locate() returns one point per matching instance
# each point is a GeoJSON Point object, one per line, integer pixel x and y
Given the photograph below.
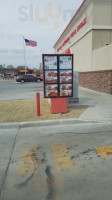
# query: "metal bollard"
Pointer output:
{"type": "Point", "coordinates": [38, 103]}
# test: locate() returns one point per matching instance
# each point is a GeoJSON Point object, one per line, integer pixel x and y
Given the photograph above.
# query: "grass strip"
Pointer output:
{"type": "Point", "coordinates": [25, 110]}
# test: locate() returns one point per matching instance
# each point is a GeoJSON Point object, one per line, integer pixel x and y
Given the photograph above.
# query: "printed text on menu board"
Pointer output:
{"type": "Point", "coordinates": [65, 62]}
{"type": "Point", "coordinates": [50, 62]}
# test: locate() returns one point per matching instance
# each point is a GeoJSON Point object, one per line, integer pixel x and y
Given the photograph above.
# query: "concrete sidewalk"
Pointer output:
{"type": "Point", "coordinates": [99, 105]}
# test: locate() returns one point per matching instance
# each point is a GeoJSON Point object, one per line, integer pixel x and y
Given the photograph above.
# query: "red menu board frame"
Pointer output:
{"type": "Point", "coordinates": [57, 75]}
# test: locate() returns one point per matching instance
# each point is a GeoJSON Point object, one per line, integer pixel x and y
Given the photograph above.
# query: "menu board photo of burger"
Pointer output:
{"type": "Point", "coordinates": [65, 79]}
{"type": "Point", "coordinates": [65, 93]}
{"type": "Point", "coordinates": [66, 73]}
{"type": "Point", "coordinates": [51, 77]}
{"type": "Point", "coordinates": [51, 94]}
{"type": "Point", "coordinates": [66, 87]}
{"type": "Point", "coordinates": [65, 76]}
{"type": "Point", "coordinates": [65, 90]}
{"type": "Point", "coordinates": [52, 90]}
{"type": "Point", "coordinates": [53, 87]}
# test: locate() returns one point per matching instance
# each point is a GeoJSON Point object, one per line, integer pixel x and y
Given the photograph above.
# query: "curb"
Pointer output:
{"type": "Point", "coordinates": [81, 105]}
{"type": "Point", "coordinates": [9, 125]}
{"type": "Point", "coordinates": [55, 122]}
{"type": "Point", "coordinates": [49, 123]}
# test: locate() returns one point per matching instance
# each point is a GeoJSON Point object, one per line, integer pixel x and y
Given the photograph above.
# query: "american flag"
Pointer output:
{"type": "Point", "coordinates": [30, 43]}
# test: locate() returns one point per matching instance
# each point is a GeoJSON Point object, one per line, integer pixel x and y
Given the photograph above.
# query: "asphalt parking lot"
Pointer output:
{"type": "Point", "coordinates": [10, 90]}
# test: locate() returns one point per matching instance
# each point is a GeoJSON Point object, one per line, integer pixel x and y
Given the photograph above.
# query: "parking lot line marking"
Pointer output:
{"type": "Point", "coordinates": [28, 161]}
{"type": "Point", "coordinates": [26, 172]}
{"type": "Point", "coordinates": [63, 158]}
{"type": "Point", "coordinates": [63, 154]}
{"type": "Point", "coordinates": [26, 158]}
{"type": "Point", "coordinates": [104, 151]}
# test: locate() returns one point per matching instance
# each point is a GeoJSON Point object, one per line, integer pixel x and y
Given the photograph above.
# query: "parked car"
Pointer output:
{"type": "Point", "coordinates": [28, 78]}
{"type": "Point", "coordinates": [39, 76]}
{"type": "Point", "coordinates": [8, 76]}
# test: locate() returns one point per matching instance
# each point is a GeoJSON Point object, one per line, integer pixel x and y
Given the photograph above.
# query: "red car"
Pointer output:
{"type": "Point", "coordinates": [8, 77]}
{"type": "Point", "coordinates": [39, 76]}
{"type": "Point", "coordinates": [29, 78]}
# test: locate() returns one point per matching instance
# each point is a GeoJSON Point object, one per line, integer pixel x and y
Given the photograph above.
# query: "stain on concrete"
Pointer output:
{"type": "Point", "coordinates": [24, 183]}
{"type": "Point", "coordinates": [83, 153]}
{"type": "Point", "coordinates": [43, 160]}
{"type": "Point", "coordinates": [13, 161]}
{"type": "Point", "coordinates": [72, 157]}
{"type": "Point", "coordinates": [87, 151]}
{"type": "Point", "coordinates": [50, 181]}
{"type": "Point", "coordinates": [44, 155]}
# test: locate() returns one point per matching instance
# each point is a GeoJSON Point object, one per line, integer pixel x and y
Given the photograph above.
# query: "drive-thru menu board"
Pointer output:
{"type": "Point", "coordinates": [58, 75]}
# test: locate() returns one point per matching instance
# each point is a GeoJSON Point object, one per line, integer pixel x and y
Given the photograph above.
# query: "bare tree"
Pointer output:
{"type": "Point", "coordinates": [10, 67]}
{"type": "Point", "coordinates": [20, 67]}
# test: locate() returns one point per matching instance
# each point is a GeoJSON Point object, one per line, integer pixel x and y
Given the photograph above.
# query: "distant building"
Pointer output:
{"type": "Point", "coordinates": [23, 71]}
{"type": "Point", "coordinates": [89, 37]}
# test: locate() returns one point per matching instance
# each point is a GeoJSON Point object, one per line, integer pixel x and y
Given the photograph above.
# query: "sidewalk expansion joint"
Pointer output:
{"type": "Point", "coordinates": [5, 176]}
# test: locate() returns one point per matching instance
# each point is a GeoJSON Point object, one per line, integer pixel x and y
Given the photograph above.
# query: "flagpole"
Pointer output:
{"type": "Point", "coordinates": [24, 53]}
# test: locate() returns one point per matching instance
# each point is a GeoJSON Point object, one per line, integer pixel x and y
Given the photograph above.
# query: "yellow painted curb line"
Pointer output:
{"type": "Point", "coordinates": [104, 151]}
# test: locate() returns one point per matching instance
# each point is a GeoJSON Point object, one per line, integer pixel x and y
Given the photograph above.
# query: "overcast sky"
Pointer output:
{"type": "Point", "coordinates": [39, 20]}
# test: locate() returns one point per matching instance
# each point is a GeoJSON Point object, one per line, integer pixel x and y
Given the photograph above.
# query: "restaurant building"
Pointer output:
{"type": "Point", "coordinates": [89, 37]}
{"type": "Point", "coordinates": [23, 71]}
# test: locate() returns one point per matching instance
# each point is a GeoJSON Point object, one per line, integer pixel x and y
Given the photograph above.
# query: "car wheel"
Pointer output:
{"type": "Point", "coordinates": [38, 80]}
{"type": "Point", "coordinates": [22, 81]}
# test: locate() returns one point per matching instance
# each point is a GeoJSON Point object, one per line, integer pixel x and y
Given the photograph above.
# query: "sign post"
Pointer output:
{"type": "Point", "coordinates": [58, 80]}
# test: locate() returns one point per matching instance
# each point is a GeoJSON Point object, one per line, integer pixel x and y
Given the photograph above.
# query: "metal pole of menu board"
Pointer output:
{"type": "Point", "coordinates": [24, 53]}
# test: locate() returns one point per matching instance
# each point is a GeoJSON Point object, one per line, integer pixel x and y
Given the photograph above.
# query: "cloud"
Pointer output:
{"type": "Point", "coordinates": [16, 51]}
